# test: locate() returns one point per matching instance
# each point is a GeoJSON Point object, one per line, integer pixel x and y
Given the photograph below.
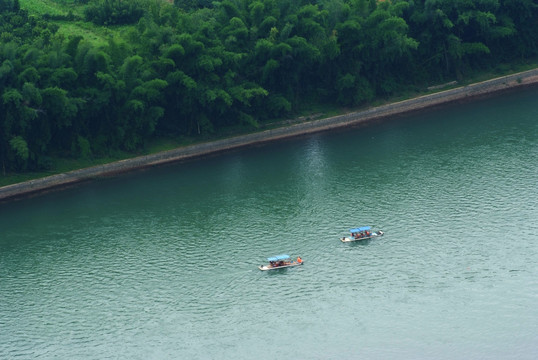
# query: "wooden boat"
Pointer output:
{"type": "Point", "coordinates": [280, 262]}
{"type": "Point", "coordinates": [362, 233]}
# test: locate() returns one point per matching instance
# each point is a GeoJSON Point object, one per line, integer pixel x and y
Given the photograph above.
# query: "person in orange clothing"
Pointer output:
{"type": "Point", "coordinates": [299, 260]}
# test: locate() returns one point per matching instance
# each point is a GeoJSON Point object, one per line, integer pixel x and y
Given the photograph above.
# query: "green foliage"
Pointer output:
{"type": "Point", "coordinates": [115, 12]}
{"type": "Point", "coordinates": [199, 67]}
{"type": "Point", "coordinates": [9, 5]}
{"type": "Point", "coordinates": [20, 147]}
{"type": "Point", "coordinates": [81, 148]}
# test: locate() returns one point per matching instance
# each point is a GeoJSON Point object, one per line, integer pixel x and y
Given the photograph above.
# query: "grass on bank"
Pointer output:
{"type": "Point", "coordinates": [98, 35]}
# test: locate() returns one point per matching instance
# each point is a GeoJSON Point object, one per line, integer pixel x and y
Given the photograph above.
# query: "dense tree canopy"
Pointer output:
{"type": "Point", "coordinates": [198, 66]}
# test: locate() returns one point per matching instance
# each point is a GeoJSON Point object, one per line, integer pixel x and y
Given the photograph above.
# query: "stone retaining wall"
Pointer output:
{"type": "Point", "coordinates": [466, 92]}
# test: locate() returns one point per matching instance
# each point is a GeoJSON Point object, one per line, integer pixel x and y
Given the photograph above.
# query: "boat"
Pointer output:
{"type": "Point", "coordinates": [362, 233]}
{"type": "Point", "coordinates": [280, 262]}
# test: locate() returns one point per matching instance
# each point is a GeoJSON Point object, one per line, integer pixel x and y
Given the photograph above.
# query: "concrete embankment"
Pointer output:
{"type": "Point", "coordinates": [489, 87]}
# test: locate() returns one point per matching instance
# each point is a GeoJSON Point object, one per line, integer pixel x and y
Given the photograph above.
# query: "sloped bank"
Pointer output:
{"type": "Point", "coordinates": [522, 79]}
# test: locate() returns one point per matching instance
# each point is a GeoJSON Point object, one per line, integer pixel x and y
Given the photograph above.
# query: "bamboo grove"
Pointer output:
{"type": "Point", "coordinates": [197, 67]}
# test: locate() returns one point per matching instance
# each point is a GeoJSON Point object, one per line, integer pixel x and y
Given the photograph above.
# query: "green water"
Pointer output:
{"type": "Point", "coordinates": [162, 264]}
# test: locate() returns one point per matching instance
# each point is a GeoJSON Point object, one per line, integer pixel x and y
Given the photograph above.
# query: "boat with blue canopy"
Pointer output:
{"type": "Point", "coordinates": [280, 261]}
{"type": "Point", "coordinates": [362, 233]}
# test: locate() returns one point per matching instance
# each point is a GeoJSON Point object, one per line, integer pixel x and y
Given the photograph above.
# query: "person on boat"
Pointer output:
{"type": "Point", "coordinates": [299, 260]}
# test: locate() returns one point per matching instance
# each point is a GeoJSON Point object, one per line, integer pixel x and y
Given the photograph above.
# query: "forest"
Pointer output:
{"type": "Point", "coordinates": [194, 68]}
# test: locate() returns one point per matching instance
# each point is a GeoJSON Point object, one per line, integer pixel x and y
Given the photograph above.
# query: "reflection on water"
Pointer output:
{"type": "Point", "coordinates": [163, 263]}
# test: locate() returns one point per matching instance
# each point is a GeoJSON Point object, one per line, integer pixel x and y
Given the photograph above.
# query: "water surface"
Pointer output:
{"type": "Point", "coordinates": [162, 264]}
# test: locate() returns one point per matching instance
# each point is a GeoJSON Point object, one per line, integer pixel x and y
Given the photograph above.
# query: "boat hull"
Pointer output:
{"type": "Point", "coordinates": [374, 235]}
{"type": "Point", "coordinates": [269, 267]}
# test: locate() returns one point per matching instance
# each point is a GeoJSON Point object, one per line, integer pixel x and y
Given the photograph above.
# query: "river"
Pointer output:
{"type": "Point", "coordinates": [162, 263]}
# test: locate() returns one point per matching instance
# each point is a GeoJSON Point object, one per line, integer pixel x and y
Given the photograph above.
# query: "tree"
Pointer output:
{"type": "Point", "coordinates": [385, 43]}
{"type": "Point", "coordinates": [20, 148]}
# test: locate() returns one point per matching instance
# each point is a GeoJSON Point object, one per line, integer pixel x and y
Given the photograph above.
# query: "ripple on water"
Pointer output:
{"type": "Point", "coordinates": [164, 265]}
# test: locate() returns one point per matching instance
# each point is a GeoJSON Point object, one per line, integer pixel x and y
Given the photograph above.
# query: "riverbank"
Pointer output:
{"type": "Point", "coordinates": [485, 88]}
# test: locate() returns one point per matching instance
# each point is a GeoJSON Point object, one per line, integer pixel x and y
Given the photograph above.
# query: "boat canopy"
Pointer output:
{"type": "Point", "coordinates": [359, 229]}
{"type": "Point", "coordinates": [278, 257]}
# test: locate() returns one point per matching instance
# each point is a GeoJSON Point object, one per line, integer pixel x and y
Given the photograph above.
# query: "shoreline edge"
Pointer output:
{"type": "Point", "coordinates": [468, 92]}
